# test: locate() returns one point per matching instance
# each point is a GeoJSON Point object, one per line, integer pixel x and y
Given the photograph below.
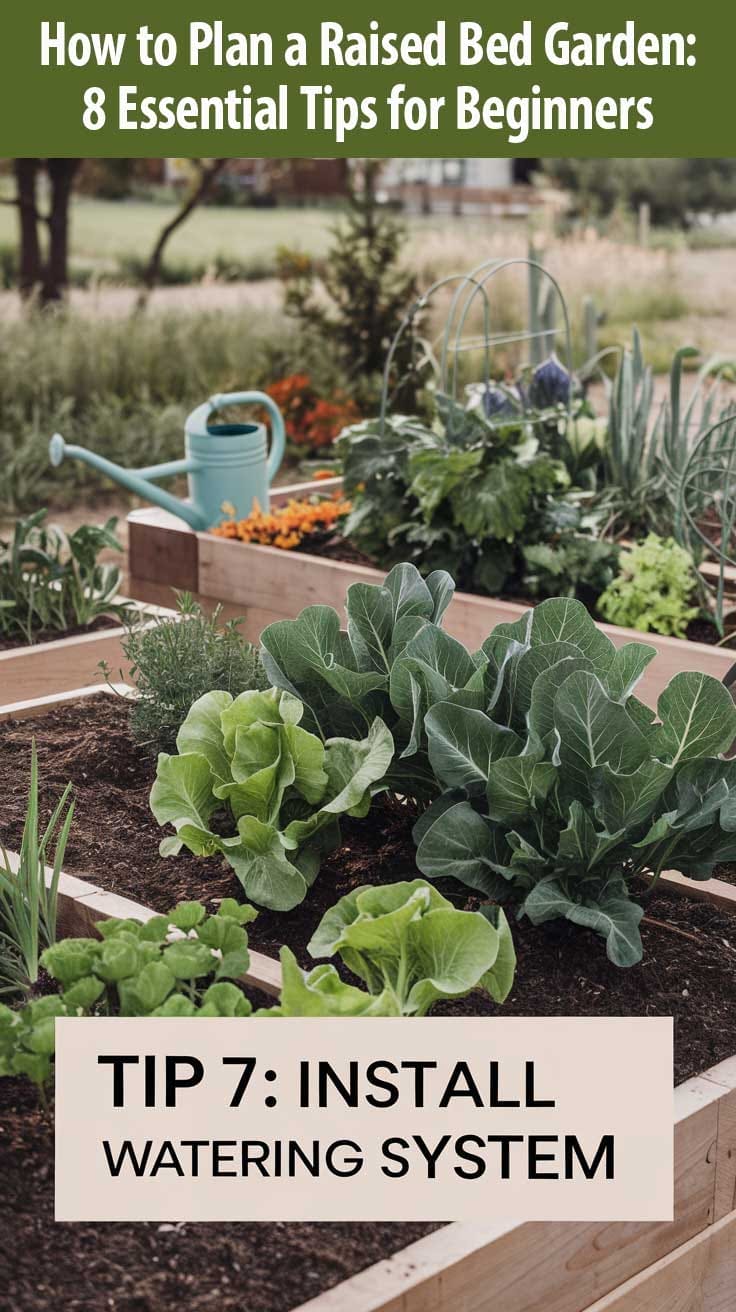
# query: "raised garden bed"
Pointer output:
{"type": "Point", "coordinates": [266, 584]}
{"type": "Point", "coordinates": [562, 1267]}
{"type": "Point", "coordinates": [61, 663]}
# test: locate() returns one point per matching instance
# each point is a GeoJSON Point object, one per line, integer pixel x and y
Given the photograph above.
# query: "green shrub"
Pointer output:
{"type": "Point", "coordinates": [653, 589]}
{"type": "Point", "coordinates": [468, 493]}
{"type": "Point", "coordinates": [176, 661]}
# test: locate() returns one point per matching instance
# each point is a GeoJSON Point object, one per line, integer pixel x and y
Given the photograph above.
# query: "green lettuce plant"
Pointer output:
{"type": "Point", "coordinates": [282, 789]}
{"type": "Point", "coordinates": [566, 789]}
{"type": "Point", "coordinates": [393, 660]}
{"type": "Point", "coordinates": [180, 964]}
{"type": "Point", "coordinates": [653, 589]}
{"type": "Point", "coordinates": [411, 948]}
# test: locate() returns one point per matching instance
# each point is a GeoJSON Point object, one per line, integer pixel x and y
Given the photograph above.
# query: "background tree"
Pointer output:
{"type": "Point", "coordinates": [676, 190]}
{"type": "Point", "coordinates": [206, 173]}
{"type": "Point", "coordinates": [358, 300]}
{"type": "Point", "coordinates": [43, 275]}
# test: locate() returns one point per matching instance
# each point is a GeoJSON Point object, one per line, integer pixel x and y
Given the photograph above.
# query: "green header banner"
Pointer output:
{"type": "Point", "coordinates": [367, 79]}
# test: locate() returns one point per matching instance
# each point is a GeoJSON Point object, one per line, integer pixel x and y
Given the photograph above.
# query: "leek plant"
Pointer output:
{"type": "Point", "coordinates": [27, 900]}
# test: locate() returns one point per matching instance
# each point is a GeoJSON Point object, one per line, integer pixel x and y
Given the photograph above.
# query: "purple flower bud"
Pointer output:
{"type": "Point", "coordinates": [550, 384]}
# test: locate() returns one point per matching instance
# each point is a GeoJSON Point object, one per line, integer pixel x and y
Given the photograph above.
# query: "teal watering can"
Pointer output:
{"type": "Point", "coordinates": [226, 464]}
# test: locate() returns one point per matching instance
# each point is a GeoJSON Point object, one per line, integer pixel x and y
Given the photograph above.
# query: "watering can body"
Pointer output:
{"type": "Point", "coordinates": [228, 466]}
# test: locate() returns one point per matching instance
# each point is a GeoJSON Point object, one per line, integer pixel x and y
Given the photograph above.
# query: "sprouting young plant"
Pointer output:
{"type": "Point", "coordinates": [408, 944]}
{"type": "Point", "coordinates": [410, 947]}
{"type": "Point", "coordinates": [567, 789]}
{"type": "Point", "coordinates": [282, 788]}
{"type": "Point", "coordinates": [176, 660]}
{"type": "Point", "coordinates": [27, 902]}
{"type": "Point", "coordinates": [51, 580]}
{"type": "Point", "coordinates": [653, 589]}
{"type": "Point", "coordinates": [180, 964]}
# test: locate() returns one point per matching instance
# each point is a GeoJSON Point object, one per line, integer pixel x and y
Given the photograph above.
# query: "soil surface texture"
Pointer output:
{"type": "Point", "coordinates": [54, 635]}
{"type": "Point", "coordinates": [689, 965]}
{"type": "Point", "coordinates": [264, 1267]}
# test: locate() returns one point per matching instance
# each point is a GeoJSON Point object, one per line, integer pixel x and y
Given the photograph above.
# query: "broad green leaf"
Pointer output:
{"type": "Point", "coordinates": [353, 767]}
{"type": "Point", "coordinates": [498, 981]}
{"type": "Point", "coordinates": [202, 732]}
{"type": "Point", "coordinates": [451, 952]}
{"type": "Point", "coordinates": [188, 959]}
{"type": "Point", "coordinates": [182, 792]}
{"type": "Point", "coordinates": [546, 685]}
{"type": "Point", "coordinates": [264, 870]}
{"type": "Point", "coordinates": [308, 755]}
{"type": "Point", "coordinates": [581, 845]}
{"type": "Point", "coordinates": [625, 801]}
{"type": "Point", "coordinates": [224, 1000]}
{"type": "Point", "coordinates": [442, 588]}
{"type": "Point", "coordinates": [594, 730]}
{"type": "Point", "coordinates": [459, 844]}
{"type": "Point", "coordinates": [517, 785]}
{"type": "Point", "coordinates": [322, 992]}
{"type": "Point", "coordinates": [251, 708]}
{"type": "Point", "coordinates": [153, 984]}
{"type": "Point", "coordinates": [463, 744]}
{"type": "Point", "coordinates": [370, 625]}
{"type": "Point", "coordinates": [525, 669]}
{"type": "Point", "coordinates": [626, 669]}
{"type": "Point", "coordinates": [187, 915]}
{"type": "Point", "coordinates": [698, 718]}
{"type": "Point", "coordinates": [561, 619]}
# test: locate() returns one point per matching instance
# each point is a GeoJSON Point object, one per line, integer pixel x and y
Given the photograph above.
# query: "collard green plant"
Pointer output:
{"type": "Point", "coordinates": [180, 964]}
{"type": "Point", "coordinates": [50, 580]}
{"type": "Point", "coordinates": [282, 788]}
{"type": "Point", "coordinates": [393, 661]}
{"type": "Point", "coordinates": [27, 902]}
{"type": "Point", "coordinates": [410, 947]}
{"type": "Point", "coordinates": [653, 590]}
{"type": "Point", "coordinates": [176, 660]}
{"type": "Point", "coordinates": [566, 788]}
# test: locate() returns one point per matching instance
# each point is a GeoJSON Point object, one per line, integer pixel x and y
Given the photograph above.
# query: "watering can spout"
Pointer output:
{"type": "Point", "coordinates": [139, 481]}
{"type": "Point", "coordinates": [228, 465]}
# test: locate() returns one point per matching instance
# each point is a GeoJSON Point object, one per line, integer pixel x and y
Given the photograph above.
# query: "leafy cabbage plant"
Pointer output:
{"type": "Point", "coordinates": [393, 661]}
{"type": "Point", "coordinates": [410, 947]}
{"type": "Point", "coordinates": [566, 787]}
{"type": "Point", "coordinates": [282, 787]}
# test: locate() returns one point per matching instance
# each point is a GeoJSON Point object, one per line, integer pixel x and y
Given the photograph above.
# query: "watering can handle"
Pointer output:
{"type": "Point", "coordinates": [278, 435]}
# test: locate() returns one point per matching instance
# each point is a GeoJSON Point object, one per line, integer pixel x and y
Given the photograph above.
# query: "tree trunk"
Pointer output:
{"type": "Point", "coordinates": [208, 174]}
{"type": "Point", "coordinates": [55, 275]}
{"type": "Point", "coordinates": [29, 264]}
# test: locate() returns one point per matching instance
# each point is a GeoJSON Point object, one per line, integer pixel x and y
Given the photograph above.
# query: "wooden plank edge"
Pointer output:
{"type": "Point", "coordinates": [716, 891]}
{"type": "Point", "coordinates": [699, 1276]}
{"type": "Point", "coordinates": [40, 649]}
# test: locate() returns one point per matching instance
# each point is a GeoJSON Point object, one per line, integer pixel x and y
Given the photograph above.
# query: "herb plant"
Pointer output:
{"type": "Point", "coordinates": [50, 580]}
{"type": "Point", "coordinates": [653, 589]}
{"type": "Point", "coordinates": [282, 788]}
{"type": "Point", "coordinates": [175, 661]}
{"type": "Point", "coordinates": [27, 902]}
{"type": "Point", "coordinates": [566, 789]}
{"type": "Point", "coordinates": [410, 947]}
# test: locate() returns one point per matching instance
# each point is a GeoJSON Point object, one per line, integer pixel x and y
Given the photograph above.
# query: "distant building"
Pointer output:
{"type": "Point", "coordinates": [461, 186]}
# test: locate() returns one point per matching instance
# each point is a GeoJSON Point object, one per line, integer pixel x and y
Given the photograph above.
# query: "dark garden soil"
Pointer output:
{"type": "Point", "coordinates": [53, 635]}
{"type": "Point", "coordinates": [336, 548]}
{"type": "Point", "coordinates": [689, 965]}
{"type": "Point", "coordinates": [266, 1267]}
